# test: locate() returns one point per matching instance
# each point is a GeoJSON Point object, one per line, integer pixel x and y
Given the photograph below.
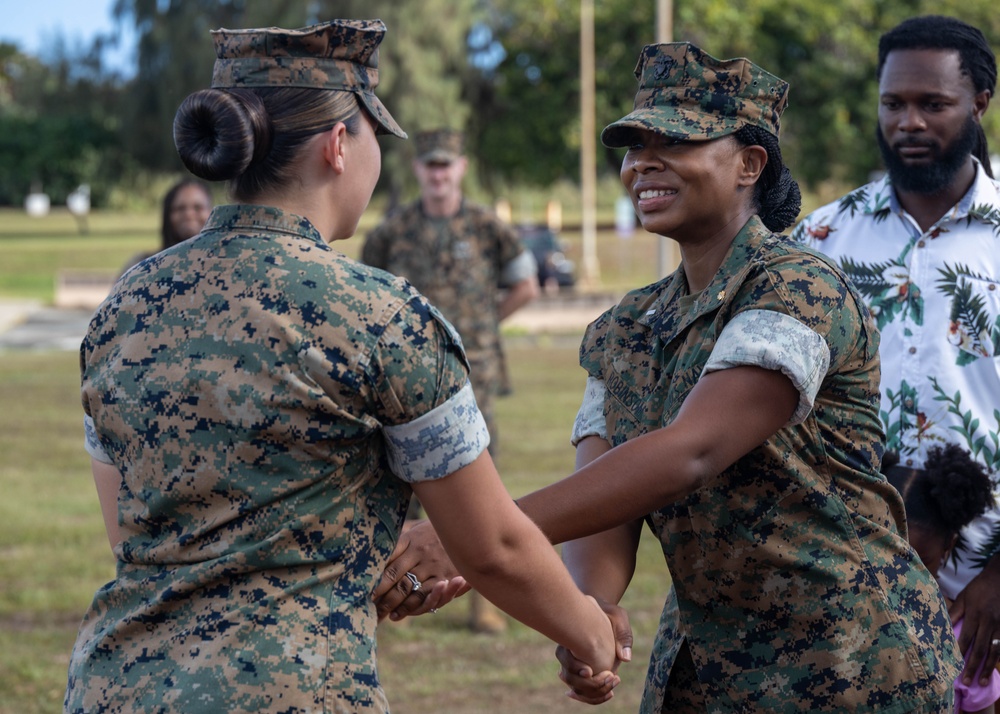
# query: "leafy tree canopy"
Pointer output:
{"type": "Point", "coordinates": [505, 71]}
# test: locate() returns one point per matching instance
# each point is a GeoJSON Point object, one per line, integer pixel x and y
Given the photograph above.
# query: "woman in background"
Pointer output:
{"type": "Point", "coordinates": [186, 208]}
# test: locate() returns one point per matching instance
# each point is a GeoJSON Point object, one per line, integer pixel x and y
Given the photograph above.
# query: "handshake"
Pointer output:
{"type": "Point", "coordinates": [420, 578]}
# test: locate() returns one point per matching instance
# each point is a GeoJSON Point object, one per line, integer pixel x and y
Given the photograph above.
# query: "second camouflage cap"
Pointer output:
{"type": "Point", "coordinates": [439, 146]}
{"type": "Point", "coordinates": [686, 94]}
{"type": "Point", "coordinates": [340, 55]}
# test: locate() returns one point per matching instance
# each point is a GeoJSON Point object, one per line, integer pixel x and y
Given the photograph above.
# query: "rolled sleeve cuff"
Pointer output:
{"type": "Point", "coordinates": [772, 340]}
{"type": "Point", "coordinates": [91, 443]}
{"type": "Point", "coordinates": [440, 442]}
{"type": "Point", "coordinates": [590, 419]}
{"type": "Point", "coordinates": [520, 268]}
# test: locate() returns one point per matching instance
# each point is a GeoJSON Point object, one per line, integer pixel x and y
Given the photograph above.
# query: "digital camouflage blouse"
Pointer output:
{"type": "Point", "coordinates": [794, 588]}
{"type": "Point", "coordinates": [267, 402]}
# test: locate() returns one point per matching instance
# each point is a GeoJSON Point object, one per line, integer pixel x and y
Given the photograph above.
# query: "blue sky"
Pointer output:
{"type": "Point", "coordinates": [31, 24]}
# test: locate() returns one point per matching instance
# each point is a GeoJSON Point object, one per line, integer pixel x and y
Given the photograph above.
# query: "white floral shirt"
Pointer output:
{"type": "Point", "coordinates": [935, 296]}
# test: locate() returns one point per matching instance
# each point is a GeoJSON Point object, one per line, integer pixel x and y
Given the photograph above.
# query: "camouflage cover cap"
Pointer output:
{"type": "Point", "coordinates": [439, 146]}
{"type": "Point", "coordinates": [340, 55]}
{"type": "Point", "coordinates": [687, 94]}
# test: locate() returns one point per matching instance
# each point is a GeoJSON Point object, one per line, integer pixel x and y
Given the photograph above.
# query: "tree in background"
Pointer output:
{"type": "Point", "coordinates": [526, 92]}
{"type": "Point", "coordinates": [421, 61]}
{"type": "Point", "coordinates": [526, 111]}
{"type": "Point", "coordinates": [59, 124]}
{"type": "Point", "coordinates": [175, 57]}
{"type": "Point", "coordinates": [423, 70]}
{"type": "Point", "coordinates": [505, 71]}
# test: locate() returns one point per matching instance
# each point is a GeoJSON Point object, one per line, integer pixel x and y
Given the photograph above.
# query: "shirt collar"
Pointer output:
{"type": "Point", "coordinates": [669, 315]}
{"type": "Point", "coordinates": [261, 219]}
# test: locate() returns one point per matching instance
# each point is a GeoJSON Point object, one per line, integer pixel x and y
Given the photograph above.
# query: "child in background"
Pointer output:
{"type": "Point", "coordinates": [940, 500]}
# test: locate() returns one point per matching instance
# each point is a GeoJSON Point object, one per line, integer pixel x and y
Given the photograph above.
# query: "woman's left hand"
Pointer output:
{"type": "Point", "coordinates": [419, 576]}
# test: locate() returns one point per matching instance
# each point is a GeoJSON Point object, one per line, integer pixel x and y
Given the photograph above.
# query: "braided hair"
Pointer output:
{"type": "Point", "coordinates": [937, 32]}
{"type": "Point", "coordinates": [776, 194]}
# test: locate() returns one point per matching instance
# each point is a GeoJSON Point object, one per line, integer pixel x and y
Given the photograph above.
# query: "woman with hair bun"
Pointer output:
{"type": "Point", "coordinates": [259, 408]}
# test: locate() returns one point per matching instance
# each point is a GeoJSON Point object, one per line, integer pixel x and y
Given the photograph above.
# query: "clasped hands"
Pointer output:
{"type": "Point", "coordinates": [420, 553]}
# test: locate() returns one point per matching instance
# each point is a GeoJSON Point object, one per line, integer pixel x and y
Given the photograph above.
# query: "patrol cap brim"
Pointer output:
{"type": "Point", "coordinates": [381, 115]}
{"type": "Point", "coordinates": [673, 122]}
{"type": "Point", "coordinates": [438, 156]}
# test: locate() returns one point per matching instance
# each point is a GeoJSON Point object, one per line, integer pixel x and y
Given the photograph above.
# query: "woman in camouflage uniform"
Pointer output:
{"type": "Point", "coordinates": [259, 408]}
{"type": "Point", "coordinates": [753, 372]}
{"type": "Point", "coordinates": [733, 407]}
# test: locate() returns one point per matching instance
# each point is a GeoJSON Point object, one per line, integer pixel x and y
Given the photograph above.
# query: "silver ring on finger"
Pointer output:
{"type": "Point", "coordinates": [415, 581]}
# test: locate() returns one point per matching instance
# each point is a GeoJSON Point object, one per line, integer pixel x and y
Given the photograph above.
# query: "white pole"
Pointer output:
{"type": "Point", "coordinates": [588, 146]}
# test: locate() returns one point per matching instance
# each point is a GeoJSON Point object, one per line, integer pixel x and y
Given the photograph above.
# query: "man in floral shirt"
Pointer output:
{"type": "Point", "coordinates": [923, 246]}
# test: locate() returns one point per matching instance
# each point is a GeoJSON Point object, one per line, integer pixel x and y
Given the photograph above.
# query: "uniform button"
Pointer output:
{"type": "Point", "coordinates": [913, 350]}
{"type": "Point", "coordinates": [921, 244]}
{"type": "Point", "coordinates": [993, 286]}
{"type": "Point", "coordinates": [909, 462]}
{"type": "Point", "coordinates": [908, 403]}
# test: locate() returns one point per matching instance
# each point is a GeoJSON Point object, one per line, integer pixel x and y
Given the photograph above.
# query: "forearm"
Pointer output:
{"type": "Point", "coordinates": [506, 558]}
{"type": "Point", "coordinates": [603, 564]}
{"type": "Point", "coordinates": [108, 480]}
{"type": "Point", "coordinates": [616, 488]}
{"type": "Point", "coordinates": [519, 295]}
{"type": "Point", "coordinates": [532, 585]}
{"type": "Point", "coordinates": [665, 465]}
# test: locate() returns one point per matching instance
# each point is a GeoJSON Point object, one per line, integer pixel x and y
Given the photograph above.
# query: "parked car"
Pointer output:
{"type": "Point", "coordinates": [554, 268]}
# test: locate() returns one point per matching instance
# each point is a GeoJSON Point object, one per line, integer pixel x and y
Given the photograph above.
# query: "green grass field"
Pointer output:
{"type": "Point", "coordinates": [54, 554]}
{"type": "Point", "coordinates": [34, 250]}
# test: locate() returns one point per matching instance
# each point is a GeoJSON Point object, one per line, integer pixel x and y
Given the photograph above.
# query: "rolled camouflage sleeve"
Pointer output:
{"type": "Point", "coordinates": [93, 444]}
{"type": "Point", "coordinates": [428, 412]}
{"type": "Point", "coordinates": [590, 419]}
{"type": "Point", "coordinates": [440, 442]}
{"type": "Point", "coordinates": [772, 340]}
{"type": "Point", "coordinates": [515, 262]}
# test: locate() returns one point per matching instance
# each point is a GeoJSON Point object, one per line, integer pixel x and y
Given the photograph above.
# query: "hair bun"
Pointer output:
{"type": "Point", "coordinates": [219, 134]}
{"type": "Point", "coordinates": [781, 205]}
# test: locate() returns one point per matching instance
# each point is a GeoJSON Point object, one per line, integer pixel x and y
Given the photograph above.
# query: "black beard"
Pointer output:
{"type": "Point", "coordinates": [936, 176]}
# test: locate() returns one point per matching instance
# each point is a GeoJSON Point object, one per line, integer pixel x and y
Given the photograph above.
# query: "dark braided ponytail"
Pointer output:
{"type": "Point", "coordinates": [776, 194]}
{"type": "Point", "coordinates": [937, 32]}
